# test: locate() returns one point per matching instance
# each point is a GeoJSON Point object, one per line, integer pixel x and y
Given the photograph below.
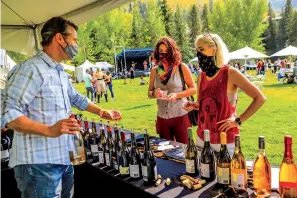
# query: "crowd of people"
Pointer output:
{"type": "Point", "coordinates": [96, 84]}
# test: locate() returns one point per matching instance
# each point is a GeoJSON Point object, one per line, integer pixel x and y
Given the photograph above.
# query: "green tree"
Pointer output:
{"type": "Point", "coordinates": [239, 30]}
{"type": "Point", "coordinates": [136, 37]}
{"type": "Point", "coordinates": [166, 16]}
{"type": "Point", "coordinates": [181, 35]}
{"type": "Point", "coordinates": [271, 32]}
{"type": "Point", "coordinates": [153, 27]}
{"type": "Point", "coordinates": [284, 26]}
{"type": "Point", "coordinates": [293, 30]}
{"type": "Point", "coordinates": [194, 23]}
{"type": "Point", "coordinates": [204, 19]}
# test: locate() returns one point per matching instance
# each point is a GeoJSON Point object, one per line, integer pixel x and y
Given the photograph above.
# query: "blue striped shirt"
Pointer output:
{"type": "Point", "coordinates": [40, 90]}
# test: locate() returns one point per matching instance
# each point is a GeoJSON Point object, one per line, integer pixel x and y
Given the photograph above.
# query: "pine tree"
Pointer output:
{"type": "Point", "coordinates": [194, 23]}
{"type": "Point", "coordinates": [181, 35]}
{"type": "Point", "coordinates": [166, 16]}
{"type": "Point", "coordinates": [204, 19]}
{"type": "Point", "coordinates": [271, 32]}
{"type": "Point", "coordinates": [284, 26]}
{"type": "Point", "coordinates": [136, 37]}
{"type": "Point", "coordinates": [293, 30]}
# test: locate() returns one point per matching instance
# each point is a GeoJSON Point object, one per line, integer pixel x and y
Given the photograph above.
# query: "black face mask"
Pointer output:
{"type": "Point", "coordinates": [207, 64]}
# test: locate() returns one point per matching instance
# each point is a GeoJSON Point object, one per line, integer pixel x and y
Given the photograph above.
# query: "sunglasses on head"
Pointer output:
{"type": "Point", "coordinates": [209, 35]}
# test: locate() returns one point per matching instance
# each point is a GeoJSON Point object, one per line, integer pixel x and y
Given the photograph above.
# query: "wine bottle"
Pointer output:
{"type": "Point", "coordinates": [135, 161]}
{"type": "Point", "coordinates": [149, 164]}
{"type": "Point", "coordinates": [207, 160]}
{"type": "Point", "coordinates": [86, 136]}
{"type": "Point", "coordinates": [102, 145]}
{"type": "Point", "coordinates": [117, 148]}
{"type": "Point", "coordinates": [238, 167]}
{"type": "Point", "coordinates": [223, 163]}
{"type": "Point", "coordinates": [5, 144]}
{"type": "Point", "coordinates": [94, 140]}
{"type": "Point", "coordinates": [124, 157]}
{"type": "Point", "coordinates": [191, 155]}
{"type": "Point", "coordinates": [288, 172]}
{"type": "Point", "coordinates": [262, 172]}
{"type": "Point", "coordinates": [77, 153]}
{"type": "Point", "coordinates": [109, 147]}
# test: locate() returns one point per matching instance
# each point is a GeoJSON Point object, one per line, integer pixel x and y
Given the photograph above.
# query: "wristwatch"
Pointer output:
{"type": "Point", "coordinates": [238, 121]}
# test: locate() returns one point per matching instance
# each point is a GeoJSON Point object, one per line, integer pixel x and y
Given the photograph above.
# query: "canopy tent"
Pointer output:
{"type": "Point", "coordinates": [104, 65]}
{"type": "Point", "coordinates": [194, 60]}
{"type": "Point", "coordinates": [137, 55]}
{"type": "Point", "coordinates": [6, 63]}
{"type": "Point", "coordinates": [80, 71]}
{"type": "Point", "coordinates": [245, 54]}
{"type": "Point", "coordinates": [68, 67]}
{"type": "Point", "coordinates": [20, 26]}
{"type": "Point", "coordinates": [288, 51]}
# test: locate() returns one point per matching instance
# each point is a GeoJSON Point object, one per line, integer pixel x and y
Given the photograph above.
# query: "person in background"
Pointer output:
{"type": "Point", "coordinates": [262, 69]}
{"type": "Point", "coordinates": [282, 70]}
{"type": "Point", "coordinates": [37, 104]}
{"type": "Point", "coordinates": [88, 85]}
{"type": "Point", "coordinates": [242, 70]}
{"type": "Point", "coordinates": [108, 81]}
{"type": "Point", "coordinates": [132, 72]}
{"type": "Point", "coordinates": [100, 85]}
{"type": "Point", "coordinates": [172, 120]}
{"type": "Point", "coordinates": [142, 81]}
{"type": "Point", "coordinates": [275, 67]}
{"type": "Point", "coordinates": [259, 66]}
{"type": "Point", "coordinates": [94, 80]}
{"type": "Point", "coordinates": [145, 65]}
{"type": "Point", "coordinates": [217, 93]}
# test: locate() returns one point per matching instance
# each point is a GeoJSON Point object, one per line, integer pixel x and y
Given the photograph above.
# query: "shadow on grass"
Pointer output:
{"type": "Point", "coordinates": [138, 107]}
{"type": "Point", "coordinates": [280, 85]}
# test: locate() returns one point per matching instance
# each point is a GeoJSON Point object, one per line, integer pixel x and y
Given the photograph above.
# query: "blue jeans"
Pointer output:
{"type": "Point", "coordinates": [110, 89]}
{"type": "Point", "coordinates": [44, 180]}
{"type": "Point", "coordinates": [90, 90]}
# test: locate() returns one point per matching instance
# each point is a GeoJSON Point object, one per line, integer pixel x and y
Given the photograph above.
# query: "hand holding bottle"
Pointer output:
{"type": "Point", "coordinates": [66, 126]}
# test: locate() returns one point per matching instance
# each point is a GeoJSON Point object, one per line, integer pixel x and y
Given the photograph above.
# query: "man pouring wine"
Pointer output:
{"type": "Point", "coordinates": [37, 104]}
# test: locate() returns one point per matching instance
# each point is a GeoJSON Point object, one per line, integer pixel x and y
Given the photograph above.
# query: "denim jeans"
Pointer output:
{"type": "Point", "coordinates": [44, 180]}
{"type": "Point", "coordinates": [110, 89]}
{"type": "Point", "coordinates": [90, 90]}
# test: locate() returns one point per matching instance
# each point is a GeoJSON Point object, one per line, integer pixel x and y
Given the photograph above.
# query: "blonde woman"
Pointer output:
{"type": "Point", "coordinates": [100, 85]}
{"type": "Point", "coordinates": [217, 91]}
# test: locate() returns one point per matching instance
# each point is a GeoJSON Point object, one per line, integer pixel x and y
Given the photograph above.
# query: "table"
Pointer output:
{"type": "Point", "coordinates": [91, 181]}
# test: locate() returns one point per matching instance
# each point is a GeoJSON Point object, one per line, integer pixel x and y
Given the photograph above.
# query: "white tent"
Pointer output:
{"type": "Point", "coordinates": [22, 21]}
{"type": "Point", "coordinates": [6, 63]}
{"type": "Point", "coordinates": [288, 51]}
{"type": "Point", "coordinates": [104, 65]}
{"type": "Point", "coordinates": [194, 60]}
{"type": "Point", "coordinates": [68, 67]}
{"type": "Point", "coordinates": [80, 71]}
{"type": "Point", "coordinates": [246, 53]}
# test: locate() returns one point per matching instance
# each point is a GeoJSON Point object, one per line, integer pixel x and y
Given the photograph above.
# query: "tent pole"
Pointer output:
{"type": "Point", "coordinates": [35, 38]}
{"type": "Point", "coordinates": [115, 59]}
{"type": "Point", "coordinates": [125, 58]}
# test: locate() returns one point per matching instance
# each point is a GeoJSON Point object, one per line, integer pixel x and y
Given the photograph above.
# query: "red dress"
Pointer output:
{"type": "Point", "coordinates": [214, 106]}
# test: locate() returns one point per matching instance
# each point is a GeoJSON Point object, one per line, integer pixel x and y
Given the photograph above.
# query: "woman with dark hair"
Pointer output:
{"type": "Point", "coordinates": [172, 119]}
{"type": "Point", "coordinates": [108, 81]}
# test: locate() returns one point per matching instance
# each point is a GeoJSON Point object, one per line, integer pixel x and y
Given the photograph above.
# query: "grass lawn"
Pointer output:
{"type": "Point", "coordinates": [275, 119]}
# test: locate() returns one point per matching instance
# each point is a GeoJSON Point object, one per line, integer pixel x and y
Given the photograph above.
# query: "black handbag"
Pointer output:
{"type": "Point", "coordinates": [193, 115]}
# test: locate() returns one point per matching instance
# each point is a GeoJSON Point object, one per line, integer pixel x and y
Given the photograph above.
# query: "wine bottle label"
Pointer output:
{"type": "Point", "coordinates": [261, 178]}
{"type": "Point", "coordinates": [144, 173]}
{"type": "Point", "coordinates": [107, 159]}
{"type": "Point", "coordinates": [94, 148]}
{"type": "Point", "coordinates": [156, 173]}
{"type": "Point", "coordinates": [4, 154]}
{"type": "Point", "coordinates": [238, 178]}
{"type": "Point", "coordinates": [223, 175]}
{"type": "Point", "coordinates": [205, 170]}
{"type": "Point", "coordinates": [89, 153]}
{"type": "Point", "coordinates": [115, 165]}
{"type": "Point", "coordinates": [190, 166]}
{"type": "Point", "coordinates": [134, 171]}
{"type": "Point", "coordinates": [101, 157]}
{"type": "Point", "coordinates": [124, 170]}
